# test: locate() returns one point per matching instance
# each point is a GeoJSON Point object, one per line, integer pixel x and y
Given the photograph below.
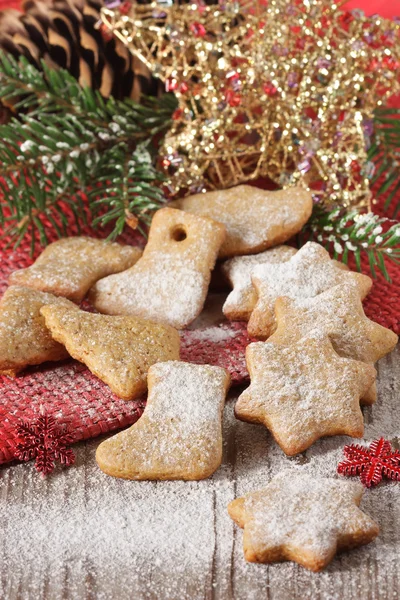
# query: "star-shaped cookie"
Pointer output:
{"type": "Point", "coordinates": [70, 266]}
{"type": "Point", "coordinates": [119, 350]}
{"type": "Point", "coordinates": [241, 301]}
{"type": "Point", "coordinates": [24, 337]}
{"type": "Point", "coordinates": [309, 273]}
{"type": "Point", "coordinates": [338, 313]}
{"type": "Point", "coordinates": [303, 519]}
{"type": "Point", "coordinates": [304, 391]}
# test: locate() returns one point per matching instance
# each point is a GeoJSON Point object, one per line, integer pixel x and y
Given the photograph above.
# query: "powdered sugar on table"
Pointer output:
{"type": "Point", "coordinates": [82, 534]}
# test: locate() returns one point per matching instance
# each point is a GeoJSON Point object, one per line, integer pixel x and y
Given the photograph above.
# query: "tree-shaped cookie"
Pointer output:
{"type": "Point", "coordinates": [24, 337]}
{"type": "Point", "coordinates": [179, 435]}
{"type": "Point", "coordinates": [303, 519]}
{"type": "Point", "coordinates": [304, 391]}
{"type": "Point", "coordinates": [169, 283]}
{"type": "Point", "coordinates": [309, 273]}
{"type": "Point", "coordinates": [119, 350]}
{"type": "Point", "coordinates": [70, 266]}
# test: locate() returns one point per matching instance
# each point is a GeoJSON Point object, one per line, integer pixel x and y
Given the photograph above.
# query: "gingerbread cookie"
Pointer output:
{"type": "Point", "coordinates": [24, 337]}
{"type": "Point", "coordinates": [119, 350]}
{"type": "Point", "coordinates": [70, 266]}
{"type": "Point", "coordinates": [304, 391]}
{"type": "Point", "coordinates": [338, 313]}
{"type": "Point", "coordinates": [255, 219]}
{"type": "Point", "coordinates": [179, 435]}
{"type": "Point", "coordinates": [307, 274]}
{"type": "Point", "coordinates": [241, 301]}
{"type": "Point", "coordinates": [303, 519]}
{"type": "Point", "coordinates": [169, 283]}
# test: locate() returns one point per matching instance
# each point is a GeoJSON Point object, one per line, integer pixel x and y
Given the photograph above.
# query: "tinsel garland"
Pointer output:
{"type": "Point", "coordinates": [279, 89]}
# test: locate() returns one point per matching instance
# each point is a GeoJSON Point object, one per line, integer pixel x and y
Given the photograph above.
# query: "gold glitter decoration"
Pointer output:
{"type": "Point", "coordinates": [273, 89]}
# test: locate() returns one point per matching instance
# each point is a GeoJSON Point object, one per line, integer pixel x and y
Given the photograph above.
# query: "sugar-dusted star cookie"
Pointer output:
{"type": "Point", "coordinates": [309, 273]}
{"type": "Point", "coordinates": [70, 266]}
{"type": "Point", "coordinates": [303, 519]}
{"type": "Point", "coordinates": [179, 435]}
{"type": "Point", "coordinates": [338, 313]}
{"type": "Point", "coordinates": [24, 337]}
{"type": "Point", "coordinates": [119, 350]}
{"type": "Point", "coordinates": [241, 301]}
{"type": "Point", "coordinates": [304, 391]}
{"type": "Point", "coordinates": [255, 219]}
{"type": "Point", "coordinates": [169, 283]}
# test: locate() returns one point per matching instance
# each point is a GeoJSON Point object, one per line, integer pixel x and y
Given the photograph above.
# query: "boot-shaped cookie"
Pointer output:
{"type": "Point", "coordinates": [169, 283]}
{"type": "Point", "coordinates": [255, 219]}
{"type": "Point", "coordinates": [70, 266]}
{"type": "Point", "coordinates": [179, 435]}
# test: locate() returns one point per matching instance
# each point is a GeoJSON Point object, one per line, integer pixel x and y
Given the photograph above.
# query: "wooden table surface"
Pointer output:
{"type": "Point", "coordinates": [79, 534]}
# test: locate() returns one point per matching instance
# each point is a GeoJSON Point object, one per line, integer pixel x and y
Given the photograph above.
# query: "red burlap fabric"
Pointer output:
{"type": "Point", "coordinates": [79, 400]}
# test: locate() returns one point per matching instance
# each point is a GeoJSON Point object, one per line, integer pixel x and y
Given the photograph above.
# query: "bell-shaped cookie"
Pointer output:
{"type": "Point", "coordinates": [119, 350]}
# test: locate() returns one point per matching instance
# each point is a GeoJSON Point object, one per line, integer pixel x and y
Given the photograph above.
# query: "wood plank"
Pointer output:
{"type": "Point", "coordinates": [82, 535]}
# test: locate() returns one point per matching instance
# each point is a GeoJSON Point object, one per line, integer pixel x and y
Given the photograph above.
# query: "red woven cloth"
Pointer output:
{"type": "Point", "coordinates": [78, 399]}
{"type": "Point", "coordinates": [75, 397]}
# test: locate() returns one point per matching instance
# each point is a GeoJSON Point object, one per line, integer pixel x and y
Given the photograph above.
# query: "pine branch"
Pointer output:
{"type": "Point", "coordinates": [73, 144]}
{"type": "Point", "coordinates": [351, 233]}
{"type": "Point", "coordinates": [384, 155]}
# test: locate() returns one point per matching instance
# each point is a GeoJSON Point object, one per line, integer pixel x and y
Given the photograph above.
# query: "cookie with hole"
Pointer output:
{"type": "Point", "coordinates": [169, 283]}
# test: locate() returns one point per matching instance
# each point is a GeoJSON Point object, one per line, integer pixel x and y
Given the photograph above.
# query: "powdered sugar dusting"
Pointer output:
{"type": "Point", "coordinates": [304, 391]}
{"type": "Point", "coordinates": [179, 435]}
{"type": "Point", "coordinates": [169, 283]}
{"type": "Point", "coordinates": [254, 218]}
{"type": "Point", "coordinates": [214, 335]}
{"type": "Point", "coordinates": [70, 266]}
{"type": "Point", "coordinates": [304, 513]}
{"type": "Point", "coordinates": [82, 534]}
{"type": "Point", "coordinates": [242, 299]}
{"type": "Point", "coordinates": [309, 273]}
{"type": "Point", "coordinates": [338, 313]}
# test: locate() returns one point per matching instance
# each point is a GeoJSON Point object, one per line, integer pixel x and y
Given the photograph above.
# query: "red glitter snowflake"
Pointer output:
{"type": "Point", "coordinates": [372, 463]}
{"type": "Point", "coordinates": [44, 440]}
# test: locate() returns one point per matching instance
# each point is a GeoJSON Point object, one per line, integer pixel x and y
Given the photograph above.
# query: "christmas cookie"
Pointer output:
{"type": "Point", "coordinates": [303, 519]}
{"type": "Point", "coordinates": [169, 283]}
{"type": "Point", "coordinates": [307, 274]}
{"type": "Point", "coordinates": [179, 435]}
{"type": "Point", "coordinates": [24, 337]}
{"type": "Point", "coordinates": [70, 266]}
{"type": "Point", "coordinates": [119, 350]}
{"type": "Point", "coordinates": [338, 313]}
{"type": "Point", "coordinates": [255, 219]}
{"type": "Point", "coordinates": [304, 391]}
{"type": "Point", "coordinates": [242, 299]}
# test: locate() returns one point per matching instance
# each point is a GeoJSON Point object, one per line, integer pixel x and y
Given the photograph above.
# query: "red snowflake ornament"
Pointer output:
{"type": "Point", "coordinates": [372, 463]}
{"type": "Point", "coordinates": [44, 440]}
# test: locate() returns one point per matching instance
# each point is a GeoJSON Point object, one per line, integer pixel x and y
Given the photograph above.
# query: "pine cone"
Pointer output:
{"type": "Point", "coordinates": [63, 33]}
